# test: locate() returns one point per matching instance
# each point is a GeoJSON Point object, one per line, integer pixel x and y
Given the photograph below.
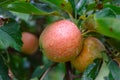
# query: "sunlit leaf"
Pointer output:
{"type": "Point", "coordinates": [114, 70]}
{"type": "Point", "coordinates": [108, 26]}
{"type": "Point", "coordinates": [22, 16]}
{"type": "Point", "coordinates": [25, 7]}
{"type": "Point", "coordinates": [104, 71]}
{"type": "Point", "coordinates": [110, 77]}
{"type": "Point", "coordinates": [80, 5]}
{"type": "Point", "coordinates": [92, 71]}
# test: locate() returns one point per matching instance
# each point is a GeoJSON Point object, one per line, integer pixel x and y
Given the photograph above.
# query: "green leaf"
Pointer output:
{"type": "Point", "coordinates": [10, 35]}
{"type": "Point", "coordinates": [6, 13]}
{"type": "Point", "coordinates": [25, 7]}
{"type": "Point", "coordinates": [62, 4]}
{"type": "Point", "coordinates": [117, 2]}
{"type": "Point", "coordinates": [72, 2]}
{"type": "Point", "coordinates": [110, 77]}
{"type": "Point", "coordinates": [19, 67]}
{"type": "Point", "coordinates": [115, 43]}
{"type": "Point", "coordinates": [105, 56]}
{"type": "Point", "coordinates": [90, 23]}
{"type": "Point", "coordinates": [105, 1]}
{"type": "Point", "coordinates": [34, 78]}
{"type": "Point", "coordinates": [22, 16]}
{"type": "Point", "coordinates": [107, 12]}
{"type": "Point", "coordinates": [43, 6]}
{"type": "Point", "coordinates": [92, 71]}
{"type": "Point", "coordinates": [113, 7]}
{"type": "Point", "coordinates": [80, 5]}
{"type": "Point", "coordinates": [91, 6]}
{"type": "Point", "coordinates": [114, 69]}
{"type": "Point", "coordinates": [39, 71]}
{"type": "Point", "coordinates": [108, 26]}
{"type": "Point", "coordinates": [4, 3]}
{"type": "Point", "coordinates": [3, 70]}
{"type": "Point", "coordinates": [104, 72]}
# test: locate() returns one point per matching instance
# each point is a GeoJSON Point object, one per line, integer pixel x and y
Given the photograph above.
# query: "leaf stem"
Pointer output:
{"type": "Point", "coordinates": [84, 33]}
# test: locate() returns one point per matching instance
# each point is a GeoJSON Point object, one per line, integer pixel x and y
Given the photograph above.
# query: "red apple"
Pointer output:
{"type": "Point", "coordinates": [60, 41]}
{"type": "Point", "coordinates": [30, 43]}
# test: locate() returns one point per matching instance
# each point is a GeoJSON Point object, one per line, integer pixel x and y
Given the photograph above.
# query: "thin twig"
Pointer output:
{"type": "Point", "coordinates": [77, 76]}
{"type": "Point", "coordinates": [68, 75]}
{"type": "Point", "coordinates": [10, 74]}
{"type": "Point", "coordinates": [45, 73]}
{"type": "Point", "coordinates": [69, 72]}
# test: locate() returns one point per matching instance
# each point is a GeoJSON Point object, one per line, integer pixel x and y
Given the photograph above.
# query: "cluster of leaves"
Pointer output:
{"type": "Point", "coordinates": [100, 18]}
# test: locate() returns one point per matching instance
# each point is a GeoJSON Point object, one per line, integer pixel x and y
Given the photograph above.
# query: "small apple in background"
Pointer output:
{"type": "Point", "coordinates": [92, 49]}
{"type": "Point", "coordinates": [61, 41]}
{"type": "Point", "coordinates": [30, 43]}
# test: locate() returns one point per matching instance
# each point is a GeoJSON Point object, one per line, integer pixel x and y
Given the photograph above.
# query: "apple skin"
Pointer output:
{"type": "Point", "coordinates": [92, 49]}
{"type": "Point", "coordinates": [60, 41]}
{"type": "Point", "coordinates": [30, 43]}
